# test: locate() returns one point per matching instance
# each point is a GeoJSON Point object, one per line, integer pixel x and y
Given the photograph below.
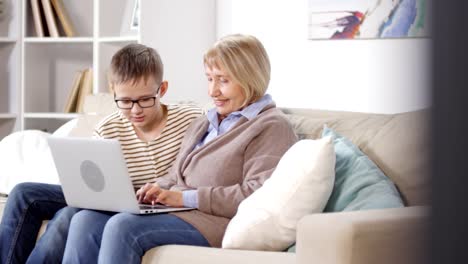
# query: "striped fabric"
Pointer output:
{"type": "Point", "coordinates": [148, 160]}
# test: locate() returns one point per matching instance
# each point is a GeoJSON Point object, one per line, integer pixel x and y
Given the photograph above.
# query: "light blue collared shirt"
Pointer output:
{"type": "Point", "coordinates": [216, 128]}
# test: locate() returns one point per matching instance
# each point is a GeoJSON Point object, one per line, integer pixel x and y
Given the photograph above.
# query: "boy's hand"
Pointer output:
{"type": "Point", "coordinates": [141, 193]}
{"type": "Point", "coordinates": [152, 194]}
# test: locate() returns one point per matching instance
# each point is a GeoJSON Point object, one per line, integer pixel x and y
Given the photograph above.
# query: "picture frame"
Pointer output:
{"type": "Point", "coordinates": [135, 23]}
{"type": "Point", "coordinates": [131, 18]}
{"type": "Point", "coordinates": [369, 19]}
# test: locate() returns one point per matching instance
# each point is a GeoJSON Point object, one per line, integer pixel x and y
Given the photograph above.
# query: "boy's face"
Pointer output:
{"type": "Point", "coordinates": [148, 116]}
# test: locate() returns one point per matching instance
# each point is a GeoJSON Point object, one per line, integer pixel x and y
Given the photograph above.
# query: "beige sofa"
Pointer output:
{"type": "Point", "coordinates": [398, 144]}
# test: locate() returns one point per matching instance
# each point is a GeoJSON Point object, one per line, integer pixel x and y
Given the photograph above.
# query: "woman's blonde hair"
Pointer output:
{"type": "Point", "coordinates": [245, 60]}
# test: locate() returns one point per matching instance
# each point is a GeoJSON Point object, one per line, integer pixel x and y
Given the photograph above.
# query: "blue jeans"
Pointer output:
{"type": "Point", "coordinates": [123, 237]}
{"type": "Point", "coordinates": [50, 247]}
{"type": "Point", "coordinates": [27, 206]}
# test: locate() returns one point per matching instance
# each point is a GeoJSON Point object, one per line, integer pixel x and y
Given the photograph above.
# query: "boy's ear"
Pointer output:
{"type": "Point", "coordinates": [110, 87]}
{"type": "Point", "coordinates": [163, 89]}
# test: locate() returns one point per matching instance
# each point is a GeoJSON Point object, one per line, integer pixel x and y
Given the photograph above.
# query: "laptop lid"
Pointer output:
{"type": "Point", "coordinates": [93, 174]}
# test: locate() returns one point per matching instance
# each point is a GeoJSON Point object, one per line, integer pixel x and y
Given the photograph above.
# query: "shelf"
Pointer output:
{"type": "Point", "coordinates": [10, 20]}
{"type": "Point", "coordinates": [9, 78]}
{"type": "Point", "coordinates": [8, 116]}
{"type": "Point", "coordinates": [77, 39]}
{"type": "Point", "coordinates": [52, 115]}
{"type": "Point", "coordinates": [58, 40]}
{"type": "Point", "coordinates": [8, 126]}
{"type": "Point", "coordinates": [38, 73]}
{"type": "Point", "coordinates": [80, 14]}
{"type": "Point", "coordinates": [119, 39]}
{"type": "Point", "coordinates": [49, 72]}
{"type": "Point", "coordinates": [7, 40]}
{"type": "Point", "coordinates": [47, 122]}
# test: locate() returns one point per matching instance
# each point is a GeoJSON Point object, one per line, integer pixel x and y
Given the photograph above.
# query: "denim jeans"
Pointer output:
{"type": "Point", "coordinates": [27, 206]}
{"type": "Point", "coordinates": [50, 247]}
{"type": "Point", "coordinates": [123, 237]}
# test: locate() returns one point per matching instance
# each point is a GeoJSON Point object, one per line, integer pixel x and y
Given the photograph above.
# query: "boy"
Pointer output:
{"type": "Point", "coordinates": [150, 134]}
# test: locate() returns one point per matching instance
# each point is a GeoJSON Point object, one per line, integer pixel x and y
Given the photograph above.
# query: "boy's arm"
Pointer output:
{"type": "Point", "coordinates": [96, 134]}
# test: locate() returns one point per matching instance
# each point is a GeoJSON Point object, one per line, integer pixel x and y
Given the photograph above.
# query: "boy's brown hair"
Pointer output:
{"type": "Point", "coordinates": [133, 62]}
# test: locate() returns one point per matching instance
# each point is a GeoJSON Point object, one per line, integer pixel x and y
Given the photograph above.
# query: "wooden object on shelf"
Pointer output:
{"type": "Point", "coordinates": [64, 19]}
{"type": "Point", "coordinates": [36, 12]}
{"type": "Point", "coordinates": [70, 106]}
{"type": "Point", "coordinates": [1, 8]}
{"type": "Point", "coordinates": [50, 19]}
{"type": "Point", "coordinates": [86, 88]}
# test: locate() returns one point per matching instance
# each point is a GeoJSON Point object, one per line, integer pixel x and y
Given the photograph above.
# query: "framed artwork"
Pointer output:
{"type": "Point", "coordinates": [136, 16]}
{"type": "Point", "coordinates": [365, 19]}
{"type": "Point", "coordinates": [131, 18]}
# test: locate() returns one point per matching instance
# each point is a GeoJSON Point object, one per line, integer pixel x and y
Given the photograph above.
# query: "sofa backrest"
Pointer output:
{"type": "Point", "coordinates": [398, 143]}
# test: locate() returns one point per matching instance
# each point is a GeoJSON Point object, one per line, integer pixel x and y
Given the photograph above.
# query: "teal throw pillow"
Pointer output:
{"type": "Point", "coordinates": [359, 183]}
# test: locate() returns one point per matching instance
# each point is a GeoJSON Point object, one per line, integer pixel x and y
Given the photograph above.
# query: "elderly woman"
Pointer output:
{"type": "Point", "coordinates": [224, 157]}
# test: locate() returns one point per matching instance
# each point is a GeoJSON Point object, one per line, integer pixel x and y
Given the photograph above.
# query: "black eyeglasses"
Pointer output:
{"type": "Point", "coordinates": [145, 102]}
{"type": "Point", "coordinates": [127, 104]}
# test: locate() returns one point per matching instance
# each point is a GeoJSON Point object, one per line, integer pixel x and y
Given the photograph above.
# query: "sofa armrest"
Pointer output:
{"type": "Point", "coordinates": [360, 237]}
{"type": "Point", "coordinates": [179, 254]}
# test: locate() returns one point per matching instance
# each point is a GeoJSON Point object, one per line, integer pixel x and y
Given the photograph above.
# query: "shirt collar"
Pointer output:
{"type": "Point", "coordinates": [249, 112]}
{"type": "Point", "coordinates": [252, 110]}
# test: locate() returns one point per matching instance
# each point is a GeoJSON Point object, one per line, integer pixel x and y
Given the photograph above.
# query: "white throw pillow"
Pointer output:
{"type": "Point", "coordinates": [301, 184]}
{"type": "Point", "coordinates": [25, 157]}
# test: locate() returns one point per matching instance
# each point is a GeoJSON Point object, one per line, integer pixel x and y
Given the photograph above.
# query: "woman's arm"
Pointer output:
{"type": "Point", "coordinates": [260, 160]}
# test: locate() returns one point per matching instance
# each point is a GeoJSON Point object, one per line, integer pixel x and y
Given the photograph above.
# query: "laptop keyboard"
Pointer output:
{"type": "Point", "coordinates": [149, 206]}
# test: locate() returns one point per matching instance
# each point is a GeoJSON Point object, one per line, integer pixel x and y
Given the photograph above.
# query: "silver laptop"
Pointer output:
{"type": "Point", "coordinates": [94, 175]}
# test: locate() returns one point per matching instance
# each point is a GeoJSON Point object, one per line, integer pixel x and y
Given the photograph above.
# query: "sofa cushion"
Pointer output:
{"type": "Point", "coordinates": [309, 128]}
{"type": "Point", "coordinates": [85, 125]}
{"type": "Point", "coordinates": [301, 184]}
{"type": "Point", "coordinates": [397, 144]}
{"type": "Point", "coordinates": [359, 183]}
{"type": "Point", "coordinates": [401, 149]}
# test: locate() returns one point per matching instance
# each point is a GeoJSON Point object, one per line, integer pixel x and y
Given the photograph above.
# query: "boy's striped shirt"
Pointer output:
{"type": "Point", "coordinates": [148, 160]}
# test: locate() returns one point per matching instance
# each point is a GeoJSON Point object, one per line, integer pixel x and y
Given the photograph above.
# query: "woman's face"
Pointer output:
{"type": "Point", "coordinates": [227, 95]}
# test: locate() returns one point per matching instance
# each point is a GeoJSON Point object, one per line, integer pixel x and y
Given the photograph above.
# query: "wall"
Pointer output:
{"type": "Point", "coordinates": [381, 76]}
{"type": "Point", "coordinates": [181, 31]}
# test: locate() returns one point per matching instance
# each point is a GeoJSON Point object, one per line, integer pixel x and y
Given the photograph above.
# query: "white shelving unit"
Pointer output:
{"type": "Point", "coordinates": [10, 71]}
{"type": "Point", "coordinates": [36, 73]}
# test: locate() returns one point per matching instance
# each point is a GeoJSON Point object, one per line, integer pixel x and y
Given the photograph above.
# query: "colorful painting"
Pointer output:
{"type": "Point", "coordinates": [361, 19]}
